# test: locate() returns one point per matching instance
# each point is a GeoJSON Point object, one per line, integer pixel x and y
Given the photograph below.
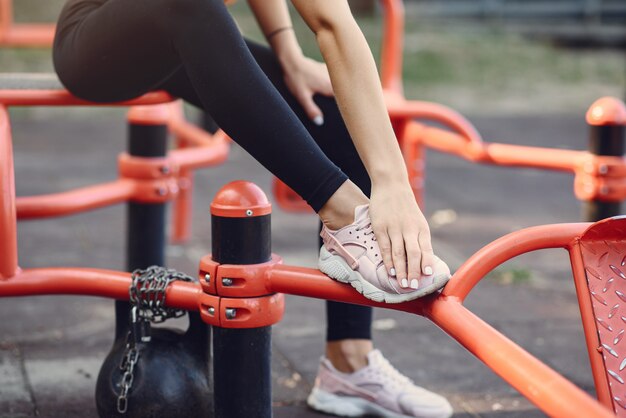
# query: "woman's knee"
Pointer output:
{"type": "Point", "coordinates": [188, 9]}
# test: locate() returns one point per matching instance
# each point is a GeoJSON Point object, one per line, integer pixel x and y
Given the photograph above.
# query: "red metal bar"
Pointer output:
{"type": "Point", "coordinates": [75, 201]}
{"type": "Point", "coordinates": [8, 218]}
{"type": "Point", "coordinates": [400, 108]}
{"type": "Point", "coordinates": [28, 35]}
{"type": "Point", "coordinates": [507, 247]}
{"type": "Point", "coordinates": [65, 98]}
{"type": "Point", "coordinates": [544, 387]}
{"type": "Point", "coordinates": [497, 154]}
{"type": "Point", "coordinates": [91, 282]}
{"type": "Point", "coordinates": [393, 40]}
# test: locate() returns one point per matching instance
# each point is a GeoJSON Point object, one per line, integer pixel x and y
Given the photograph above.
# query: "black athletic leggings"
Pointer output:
{"type": "Point", "coordinates": [113, 50]}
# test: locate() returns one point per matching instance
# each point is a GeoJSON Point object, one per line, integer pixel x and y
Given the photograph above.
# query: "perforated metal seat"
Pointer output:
{"type": "Point", "coordinates": [30, 81]}
{"type": "Point", "coordinates": [603, 248]}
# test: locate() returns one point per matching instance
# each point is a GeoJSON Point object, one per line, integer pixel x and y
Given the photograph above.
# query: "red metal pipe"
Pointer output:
{"type": "Point", "coordinates": [75, 201]}
{"type": "Point", "coordinates": [196, 157]}
{"type": "Point", "coordinates": [302, 281]}
{"type": "Point", "coordinates": [507, 247]}
{"type": "Point", "coordinates": [497, 154]}
{"type": "Point", "coordinates": [400, 108]}
{"type": "Point", "coordinates": [544, 387]}
{"type": "Point", "coordinates": [65, 98]}
{"type": "Point", "coordinates": [393, 40]}
{"type": "Point", "coordinates": [28, 35]}
{"type": "Point", "coordinates": [8, 217]}
{"type": "Point", "coordinates": [91, 282]}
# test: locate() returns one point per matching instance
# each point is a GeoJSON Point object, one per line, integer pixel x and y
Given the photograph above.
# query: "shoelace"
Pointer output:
{"type": "Point", "coordinates": [392, 375]}
{"type": "Point", "coordinates": [366, 227]}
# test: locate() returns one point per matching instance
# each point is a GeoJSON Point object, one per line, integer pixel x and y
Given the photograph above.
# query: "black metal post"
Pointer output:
{"type": "Point", "coordinates": [241, 357]}
{"type": "Point", "coordinates": [605, 140]}
{"type": "Point", "coordinates": [145, 222]}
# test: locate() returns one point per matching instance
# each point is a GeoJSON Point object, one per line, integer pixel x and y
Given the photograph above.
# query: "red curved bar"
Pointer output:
{"type": "Point", "coordinates": [494, 153]}
{"type": "Point", "coordinates": [399, 107]}
{"type": "Point", "coordinates": [544, 387]}
{"type": "Point", "coordinates": [75, 201]}
{"type": "Point", "coordinates": [507, 247]}
{"type": "Point", "coordinates": [91, 282]}
{"type": "Point", "coordinates": [65, 98]}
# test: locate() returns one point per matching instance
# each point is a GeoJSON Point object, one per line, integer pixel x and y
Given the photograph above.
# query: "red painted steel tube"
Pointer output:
{"type": "Point", "coordinates": [65, 98]}
{"type": "Point", "coordinates": [8, 219]}
{"type": "Point", "coordinates": [497, 154]}
{"type": "Point", "coordinates": [393, 40]}
{"type": "Point", "coordinates": [91, 282]}
{"type": "Point", "coordinates": [302, 281]}
{"type": "Point", "coordinates": [204, 156]}
{"type": "Point", "coordinates": [507, 247]}
{"type": "Point", "coordinates": [75, 201]}
{"type": "Point", "coordinates": [28, 35]}
{"type": "Point", "coordinates": [598, 369]}
{"type": "Point", "coordinates": [544, 387]}
{"type": "Point", "coordinates": [400, 108]}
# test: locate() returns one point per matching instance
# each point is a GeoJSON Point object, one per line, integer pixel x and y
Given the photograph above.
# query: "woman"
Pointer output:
{"type": "Point", "coordinates": [333, 151]}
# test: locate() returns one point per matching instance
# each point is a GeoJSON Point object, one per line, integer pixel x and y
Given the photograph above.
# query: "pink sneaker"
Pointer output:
{"type": "Point", "coordinates": [351, 255]}
{"type": "Point", "coordinates": [375, 390]}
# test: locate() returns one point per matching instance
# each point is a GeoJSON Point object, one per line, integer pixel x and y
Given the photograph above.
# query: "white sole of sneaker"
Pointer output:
{"type": "Point", "coordinates": [351, 406]}
{"type": "Point", "coordinates": [336, 268]}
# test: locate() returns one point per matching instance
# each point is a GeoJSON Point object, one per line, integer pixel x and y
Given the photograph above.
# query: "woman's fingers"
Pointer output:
{"type": "Point", "coordinates": [384, 244]}
{"type": "Point", "coordinates": [428, 257]}
{"type": "Point", "coordinates": [414, 256]}
{"type": "Point", "coordinates": [305, 97]}
{"type": "Point", "coordinates": [398, 254]}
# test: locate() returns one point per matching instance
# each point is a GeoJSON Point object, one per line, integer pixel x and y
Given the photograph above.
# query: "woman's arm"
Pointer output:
{"type": "Point", "coordinates": [399, 225]}
{"type": "Point", "coordinates": [303, 76]}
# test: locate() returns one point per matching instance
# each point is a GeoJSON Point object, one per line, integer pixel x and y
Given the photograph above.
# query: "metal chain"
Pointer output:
{"type": "Point", "coordinates": [147, 295]}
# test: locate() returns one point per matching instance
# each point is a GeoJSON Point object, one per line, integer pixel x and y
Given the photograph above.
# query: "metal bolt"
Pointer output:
{"type": "Point", "coordinates": [604, 190]}
{"type": "Point", "coordinates": [165, 169]}
{"type": "Point", "coordinates": [211, 310]}
{"type": "Point", "coordinates": [161, 191]}
{"type": "Point", "coordinates": [207, 277]}
{"type": "Point", "coordinates": [227, 282]}
{"type": "Point", "coordinates": [231, 313]}
{"type": "Point", "coordinates": [603, 169]}
{"type": "Point", "coordinates": [249, 212]}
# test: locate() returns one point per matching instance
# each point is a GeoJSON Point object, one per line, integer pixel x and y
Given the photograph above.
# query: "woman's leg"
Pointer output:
{"type": "Point", "coordinates": [120, 49]}
{"type": "Point", "coordinates": [348, 326]}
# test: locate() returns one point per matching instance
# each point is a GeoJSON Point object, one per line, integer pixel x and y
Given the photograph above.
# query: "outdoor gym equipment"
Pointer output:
{"type": "Point", "coordinates": [240, 287]}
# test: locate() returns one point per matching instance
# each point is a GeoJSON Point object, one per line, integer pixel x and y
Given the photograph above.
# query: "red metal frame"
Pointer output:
{"type": "Point", "coordinates": [262, 304]}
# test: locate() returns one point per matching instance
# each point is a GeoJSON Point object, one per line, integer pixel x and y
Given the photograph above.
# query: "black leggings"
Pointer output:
{"type": "Point", "coordinates": [114, 50]}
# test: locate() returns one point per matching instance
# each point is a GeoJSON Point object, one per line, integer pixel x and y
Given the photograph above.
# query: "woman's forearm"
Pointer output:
{"type": "Point", "coordinates": [356, 85]}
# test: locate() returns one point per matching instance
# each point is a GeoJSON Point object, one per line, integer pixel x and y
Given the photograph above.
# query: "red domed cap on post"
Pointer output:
{"type": "Point", "coordinates": [607, 111]}
{"type": "Point", "coordinates": [240, 199]}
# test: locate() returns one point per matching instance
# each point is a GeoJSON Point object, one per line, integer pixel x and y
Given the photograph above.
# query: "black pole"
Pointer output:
{"type": "Point", "coordinates": [606, 140]}
{"type": "Point", "coordinates": [145, 222]}
{"type": "Point", "coordinates": [241, 357]}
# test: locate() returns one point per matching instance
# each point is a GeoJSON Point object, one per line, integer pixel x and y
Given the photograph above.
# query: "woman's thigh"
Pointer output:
{"type": "Point", "coordinates": [115, 49]}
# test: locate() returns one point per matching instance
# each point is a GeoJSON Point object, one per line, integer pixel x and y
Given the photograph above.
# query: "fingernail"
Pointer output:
{"type": "Point", "coordinates": [318, 120]}
{"type": "Point", "coordinates": [428, 270]}
{"type": "Point", "coordinates": [404, 283]}
{"type": "Point", "coordinates": [414, 284]}
{"type": "Point", "coordinates": [392, 271]}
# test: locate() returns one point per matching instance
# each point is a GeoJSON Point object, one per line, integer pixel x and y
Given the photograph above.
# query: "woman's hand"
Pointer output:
{"type": "Point", "coordinates": [402, 233]}
{"type": "Point", "coordinates": [305, 78]}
